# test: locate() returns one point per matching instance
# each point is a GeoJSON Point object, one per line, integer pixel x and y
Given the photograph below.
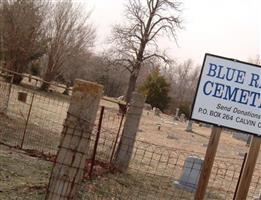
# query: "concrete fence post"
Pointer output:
{"type": "Point", "coordinates": [68, 168]}
{"type": "Point", "coordinates": [130, 130]}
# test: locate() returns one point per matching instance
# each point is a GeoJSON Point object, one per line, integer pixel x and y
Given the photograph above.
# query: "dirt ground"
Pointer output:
{"type": "Point", "coordinates": [172, 134]}
{"type": "Point", "coordinates": [22, 177]}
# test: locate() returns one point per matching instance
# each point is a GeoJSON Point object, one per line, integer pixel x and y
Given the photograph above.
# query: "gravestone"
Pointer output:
{"type": "Point", "coordinates": [241, 136]}
{"type": "Point", "coordinates": [156, 111]}
{"type": "Point", "coordinates": [257, 197]}
{"type": "Point", "coordinates": [172, 136]}
{"type": "Point", "coordinates": [207, 125]}
{"type": "Point", "coordinates": [159, 126]}
{"type": "Point", "coordinates": [121, 98]}
{"type": "Point", "coordinates": [189, 126]}
{"type": "Point", "coordinates": [204, 145]}
{"type": "Point", "coordinates": [190, 174]}
{"type": "Point", "coordinates": [182, 117]}
{"type": "Point", "coordinates": [147, 106]}
{"type": "Point", "coordinates": [176, 117]}
{"type": "Point", "coordinates": [249, 141]}
{"type": "Point", "coordinates": [22, 96]}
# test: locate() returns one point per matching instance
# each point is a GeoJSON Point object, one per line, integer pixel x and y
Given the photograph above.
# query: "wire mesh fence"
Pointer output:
{"type": "Point", "coordinates": [32, 119]}
{"type": "Point", "coordinates": [157, 172]}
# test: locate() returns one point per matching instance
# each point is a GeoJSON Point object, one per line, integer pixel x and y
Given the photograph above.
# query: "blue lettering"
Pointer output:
{"type": "Point", "coordinates": [219, 90]}
{"type": "Point", "coordinates": [230, 78]}
{"type": "Point", "coordinates": [243, 98]}
{"type": "Point", "coordinates": [219, 72]}
{"type": "Point", "coordinates": [231, 95]}
{"type": "Point", "coordinates": [205, 88]}
{"type": "Point", "coordinates": [240, 76]}
{"type": "Point", "coordinates": [254, 94]}
{"type": "Point", "coordinates": [212, 70]}
{"type": "Point", "coordinates": [254, 80]}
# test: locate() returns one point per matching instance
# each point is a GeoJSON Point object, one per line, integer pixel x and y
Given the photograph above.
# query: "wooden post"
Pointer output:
{"type": "Point", "coordinates": [249, 168]}
{"type": "Point", "coordinates": [208, 163]}
{"type": "Point", "coordinates": [69, 165]}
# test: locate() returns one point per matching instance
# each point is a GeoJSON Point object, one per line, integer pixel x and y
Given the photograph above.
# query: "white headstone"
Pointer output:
{"type": "Point", "coordinates": [189, 126]}
{"type": "Point", "coordinates": [177, 113]}
{"type": "Point", "coordinates": [258, 198]}
{"type": "Point", "coordinates": [241, 136]}
{"type": "Point", "coordinates": [182, 117]}
{"type": "Point", "coordinates": [147, 106]}
{"type": "Point", "coordinates": [191, 173]}
{"type": "Point", "coordinates": [156, 111]}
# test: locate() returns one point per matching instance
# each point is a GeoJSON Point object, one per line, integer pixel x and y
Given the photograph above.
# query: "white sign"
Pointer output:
{"type": "Point", "coordinates": [229, 94]}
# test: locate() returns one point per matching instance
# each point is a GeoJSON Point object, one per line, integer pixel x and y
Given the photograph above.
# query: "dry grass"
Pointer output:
{"type": "Point", "coordinates": [45, 124]}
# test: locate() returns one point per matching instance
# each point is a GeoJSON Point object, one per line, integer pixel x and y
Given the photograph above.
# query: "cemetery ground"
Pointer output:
{"type": "Point", "coordinates": [25, 177]}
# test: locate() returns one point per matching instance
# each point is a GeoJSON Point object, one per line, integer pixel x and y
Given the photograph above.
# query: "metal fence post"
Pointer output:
{"type": "Point", "coordinates": [117, 137]}
{"type": "Point", "coordinates": [28, 117]}
{"type": "Point", "coordinates": [27, 120]}
{"type": "Point", "coordinates": [69, 165]}
{"type": "Point", "coordinates": [96, 142]}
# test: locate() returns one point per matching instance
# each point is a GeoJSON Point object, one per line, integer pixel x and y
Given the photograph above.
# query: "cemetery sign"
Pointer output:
{"type": "Point", "coordinates": [229, 94]}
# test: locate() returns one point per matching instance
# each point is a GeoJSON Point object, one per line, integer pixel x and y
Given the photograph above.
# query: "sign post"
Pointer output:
{"type": "Point", "coordinates": [249, 168]}
{"type": "Point", "coordinates": [208, 163]}
{"type": "Point", "coordinates": [228, 95]}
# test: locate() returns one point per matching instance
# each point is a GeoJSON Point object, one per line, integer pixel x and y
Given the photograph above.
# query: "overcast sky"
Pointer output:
{"type": "Point", "coordinates": [230, 28]}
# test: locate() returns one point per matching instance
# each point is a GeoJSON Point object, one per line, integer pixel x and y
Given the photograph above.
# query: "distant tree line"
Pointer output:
{"type": "Point", "coordinates": [55, 40]}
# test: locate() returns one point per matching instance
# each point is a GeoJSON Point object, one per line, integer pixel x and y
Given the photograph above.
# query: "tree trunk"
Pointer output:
{"type": "Point", "coordinates": [12, 65]}
{"type": "Point", "coordinates": [131, 86]}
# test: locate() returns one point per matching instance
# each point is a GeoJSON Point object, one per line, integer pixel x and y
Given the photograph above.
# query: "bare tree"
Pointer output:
{"type": "Point", "coordinates": [181, 84]}
{"type": "Point", "coordinates": [22, 33]}
{"type": "Point", "coordinates": [183, 78]}
{"type": "Point", "coordinates": [97, 68]}
{"type": "Point", "coordinates": [69, 34]}
{"type": "Point", "coordinates": [136, 41]}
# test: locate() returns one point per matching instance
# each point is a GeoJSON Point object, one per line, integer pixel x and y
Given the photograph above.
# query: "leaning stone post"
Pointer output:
{"type": "Point", "coordinates": [130, 130]}
{"type": "Point", "coordinates": [68, 168]}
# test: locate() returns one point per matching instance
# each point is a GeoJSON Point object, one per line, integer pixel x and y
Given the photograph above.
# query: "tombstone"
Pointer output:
{"type": "Point", "coordinates": [190, 174]}
{"type": "Point", "coordinates": [159, 126]}
{"type": "Point", "coordinates": [249, 141]}
{"type": "Point", "coordinates": [258, 197]}
{"type": "Point", "coordinates": [156, 111]}
{"type": "Point", "coordinates": [241, 154]}
{"type": "Point", "coordinates": [121, 98]}
{"type": "Point", "coordinates": [204, 145]}
{"type": "Point", "coordinates": [172, 136]}
{"type": "Point", "coordinates": [189, 126]}
{"type": "Point", "coordinates": [182, 117]}
{"type": "Point", "coordinates": [176, 117]}
{"type": "Point", "coordinates": [22, 96]}
{"type": "Point", "coordinates": [207, 125]}
{"type": "Point", "coordinates": [147, 106]}
{"type": "Point", "coordinates": [241, 136]}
